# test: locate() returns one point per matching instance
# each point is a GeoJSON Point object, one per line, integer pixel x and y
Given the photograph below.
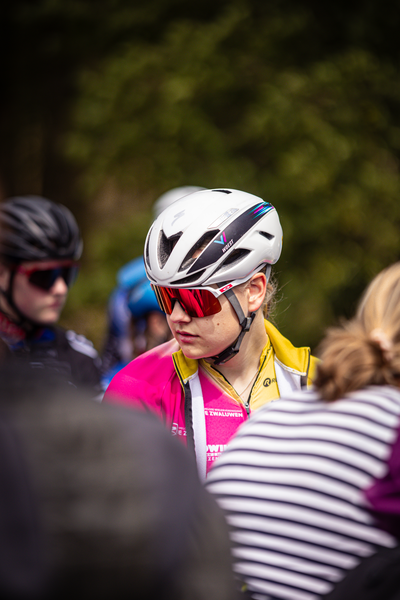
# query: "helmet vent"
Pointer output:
{"type": "Point", "coordinates": [223, 191]}
{"type": "Point", "coordinates": [191, 279]}
{"type": "Point", "coordinates": [198, 247]}
{"type": "Point", "coordinates": [147, 253]}
{"type": "Point", "coordinates": [235, 257]}
{"type": "Point", "coordinates": [165, 247]}
{"type": "Point", "coordinates": [35, 229]}
{"type": "Point", "coordinates": [266, 235]}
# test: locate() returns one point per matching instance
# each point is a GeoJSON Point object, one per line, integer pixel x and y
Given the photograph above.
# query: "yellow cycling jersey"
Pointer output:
{"type": "Point", "coordinates": [264, 388]}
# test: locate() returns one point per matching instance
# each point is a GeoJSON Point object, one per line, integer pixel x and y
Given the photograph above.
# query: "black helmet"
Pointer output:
{"type": "Point", "coordinates": [34, 228]}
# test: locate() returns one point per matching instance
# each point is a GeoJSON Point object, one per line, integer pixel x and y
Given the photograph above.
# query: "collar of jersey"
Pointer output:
{"type": "Point", "coordinates": [223, 383]}
{"type": "Point", "coordinates": [10, 332]}
{"type": "Point", "coordinates": [296, 359]}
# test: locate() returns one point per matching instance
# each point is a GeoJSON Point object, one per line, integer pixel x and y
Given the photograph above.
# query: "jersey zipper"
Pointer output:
{"type": "Point", "coordinates": [247, 404]}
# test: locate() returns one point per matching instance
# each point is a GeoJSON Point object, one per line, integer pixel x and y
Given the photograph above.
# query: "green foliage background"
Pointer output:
{"type": "Point", "coordinates": [297, 103]}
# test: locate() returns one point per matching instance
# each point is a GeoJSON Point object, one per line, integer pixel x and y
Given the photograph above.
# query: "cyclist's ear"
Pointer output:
{"type": "Point", "coordinates": [256, 288]}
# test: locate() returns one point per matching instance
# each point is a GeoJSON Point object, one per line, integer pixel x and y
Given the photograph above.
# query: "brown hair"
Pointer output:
{"type": "Point", "coordinates": [365, 350]}
{"type": "Point", "coordinates": [270, 298]}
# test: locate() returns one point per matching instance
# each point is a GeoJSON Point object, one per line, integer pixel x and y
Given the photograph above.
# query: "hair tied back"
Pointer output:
{"type": "Point", "coordinates": [379, 337]}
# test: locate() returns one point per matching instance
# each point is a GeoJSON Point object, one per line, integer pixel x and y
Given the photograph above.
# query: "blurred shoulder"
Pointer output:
{"type": "Point", "coordinates": [78, 342]}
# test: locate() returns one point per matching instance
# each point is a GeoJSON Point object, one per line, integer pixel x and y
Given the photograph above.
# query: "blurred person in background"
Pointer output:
{"type": "Point", "coordinates": [208, 257]}
{"type": "Point", "coordinates": [118, 346]}
{"type": "Point", "coordinates": [135, 322]}
{"type": "Point", "coordinates": [168, 198]}
{"type": "Point", "coordinates": [100, 502]}
{"type": "Point", "coordinates": [149, 325]}
{"type": "Point", "coordinates": [311, 484]}
{"type": "Point", "coordinates": [40, 244]}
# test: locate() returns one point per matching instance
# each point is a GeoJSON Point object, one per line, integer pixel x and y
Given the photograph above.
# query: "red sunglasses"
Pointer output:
{"type": "Point", "coordinates": [44, 276]}
{"type": "Point", "coordinates": [196, 302]}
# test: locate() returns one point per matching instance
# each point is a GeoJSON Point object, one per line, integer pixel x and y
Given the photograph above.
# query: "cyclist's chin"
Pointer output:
{"type": "Point", "coordinates": [194, 353]}
{"type": "Point", "coordinates": [48, 316]}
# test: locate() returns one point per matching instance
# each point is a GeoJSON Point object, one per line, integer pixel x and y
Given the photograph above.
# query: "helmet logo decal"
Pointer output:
{"type": "Point", "coordinates": [261, 209]}
{"type": "Point", "coordinates": [238, 228]}
{"type": "Point", "coordinates": [177, 216]}
{"type": "Point", "coordinates": [225, 288]}
{"type": "Point", "coordinates": [222, 239]}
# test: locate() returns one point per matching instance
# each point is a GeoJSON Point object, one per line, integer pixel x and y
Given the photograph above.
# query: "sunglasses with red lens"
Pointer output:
{"type": "Point", "coordinates": [45, 276]}
{"type": "Point", "coordinates": [196, 302]}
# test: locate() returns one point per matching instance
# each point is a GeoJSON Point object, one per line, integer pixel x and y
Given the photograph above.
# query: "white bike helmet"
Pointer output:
{"type": "Point", "coordinates": [237, 234]}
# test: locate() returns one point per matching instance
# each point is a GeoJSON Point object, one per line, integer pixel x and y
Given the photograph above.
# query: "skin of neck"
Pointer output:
{"type": "Point", "coordinates": [240, 369]}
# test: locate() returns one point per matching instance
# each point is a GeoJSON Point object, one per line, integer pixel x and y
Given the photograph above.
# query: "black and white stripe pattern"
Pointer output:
{"type": "Point", "coordinates": [291, 484]}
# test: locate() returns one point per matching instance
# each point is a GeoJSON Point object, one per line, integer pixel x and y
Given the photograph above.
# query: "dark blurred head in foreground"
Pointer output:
{"type": "Point", "coordinates": [100, 502]}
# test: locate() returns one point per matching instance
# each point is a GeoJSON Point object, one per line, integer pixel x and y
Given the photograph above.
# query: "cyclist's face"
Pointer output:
{"type": "Point", "coordinates": [206, 336]}
{"type": "Point", "coordinates": [203, 337]}
{"type": "Point", "coordinates": [39, 305]}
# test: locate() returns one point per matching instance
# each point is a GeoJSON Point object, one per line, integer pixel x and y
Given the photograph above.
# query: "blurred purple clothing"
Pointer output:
{"type": "Point", "coordinates": [384, 494]}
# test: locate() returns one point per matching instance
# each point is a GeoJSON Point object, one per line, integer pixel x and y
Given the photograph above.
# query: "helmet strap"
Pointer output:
{"type": "Point", "coordinates": [244, 322]}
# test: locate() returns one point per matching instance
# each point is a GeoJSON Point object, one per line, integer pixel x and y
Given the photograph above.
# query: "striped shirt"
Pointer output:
{"type": "Point", "coordinates": [291, 484]}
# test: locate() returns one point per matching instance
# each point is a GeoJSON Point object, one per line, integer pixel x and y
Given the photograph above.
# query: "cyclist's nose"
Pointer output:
{"type": "Point", "coordinates": [178, 314]}
{"type": "Point", "coordinates": [59, 287]}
